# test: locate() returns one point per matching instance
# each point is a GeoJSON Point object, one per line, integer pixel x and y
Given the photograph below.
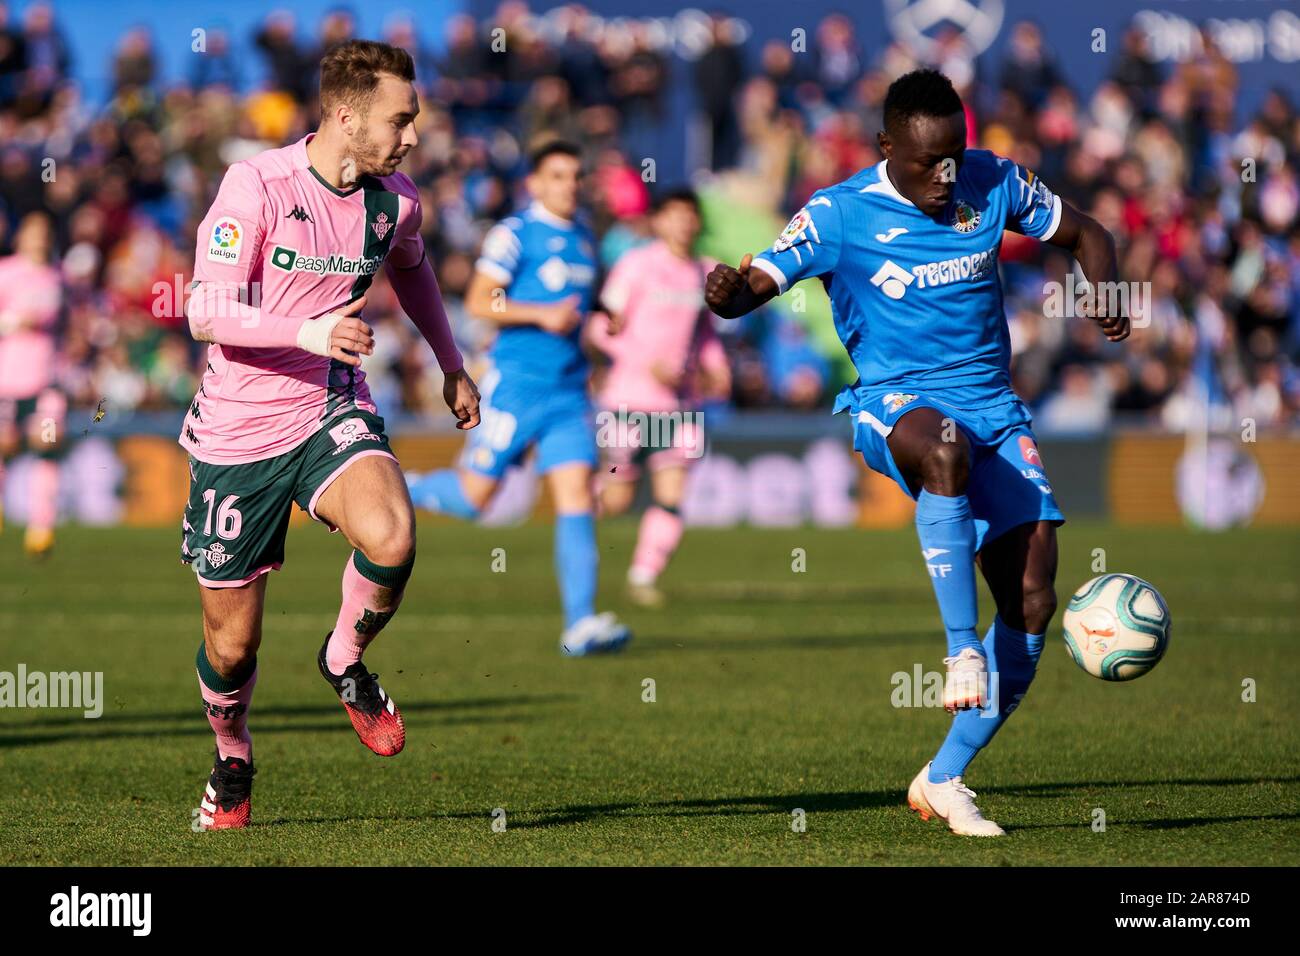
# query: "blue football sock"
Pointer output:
{"type": "Point", "coordinates": [1013, 659]}
{"type": "Point", "coordinates": [440, 491]}
{"type": "Point", "coordinates": [947, 533]}
{"type": "Point", "coordinates": [576, 564]}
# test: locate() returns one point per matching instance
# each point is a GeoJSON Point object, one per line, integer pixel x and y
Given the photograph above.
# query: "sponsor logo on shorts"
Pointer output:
{"type": "Point", "coordinates": [349, 432]}
{"type": "Point", "coordinates": [1029, 451]}
{"type": "Point", "coordinates": [226, 239]}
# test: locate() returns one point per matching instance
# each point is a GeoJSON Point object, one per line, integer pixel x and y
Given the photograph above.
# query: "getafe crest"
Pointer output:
{"type": "Point", "coordinates": [964, 217]}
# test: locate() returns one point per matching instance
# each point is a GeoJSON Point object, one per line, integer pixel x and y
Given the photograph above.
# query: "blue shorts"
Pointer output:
{"type": "Point", "coordinates": [517, 415]}
{"type": "Point", "coordinates": [1008, 486]}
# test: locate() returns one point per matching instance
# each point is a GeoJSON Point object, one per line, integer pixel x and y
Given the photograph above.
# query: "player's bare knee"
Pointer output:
{"type": "Point", "coordinates": [945, 468]}
{"type": "Point", "coordinates": [232, 651]}
{"type": "Point", "coordinates": [389, 540]}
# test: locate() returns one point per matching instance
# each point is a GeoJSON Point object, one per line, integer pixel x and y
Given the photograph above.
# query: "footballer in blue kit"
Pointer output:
{"type": "Point", "coordinates": [536, 278]}
{"type": "Point", "coordinates": [908, 253]}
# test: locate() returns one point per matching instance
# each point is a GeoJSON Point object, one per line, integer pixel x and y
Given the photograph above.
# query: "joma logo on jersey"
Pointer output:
{"type": "Point", "coordinates": [291, 261]}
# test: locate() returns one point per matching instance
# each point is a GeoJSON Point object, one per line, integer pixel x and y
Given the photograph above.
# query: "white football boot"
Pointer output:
{"type": "Point", "coordinates": [967, 682]}
{"type": "Point", "coordinates": [594, 634]}
{"type": "Point", "coordinates": [952, 802]}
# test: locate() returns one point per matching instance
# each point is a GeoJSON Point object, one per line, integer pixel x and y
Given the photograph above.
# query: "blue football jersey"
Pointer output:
{"type": "Point", "coordinates": [917, 302]}
{"type": "Point", "coordinates": [539, 257]}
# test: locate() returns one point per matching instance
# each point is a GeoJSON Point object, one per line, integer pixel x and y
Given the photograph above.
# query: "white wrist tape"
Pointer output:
{"type": "Point", "coordinates": [314, 334]}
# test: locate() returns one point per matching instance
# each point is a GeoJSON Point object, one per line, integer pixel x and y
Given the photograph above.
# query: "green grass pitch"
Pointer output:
{"type": "Point", "coordinates": [772, 694]}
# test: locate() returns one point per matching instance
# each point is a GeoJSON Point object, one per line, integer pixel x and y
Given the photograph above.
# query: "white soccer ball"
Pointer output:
{"type": "Point", "coordinates": [1117, 627]}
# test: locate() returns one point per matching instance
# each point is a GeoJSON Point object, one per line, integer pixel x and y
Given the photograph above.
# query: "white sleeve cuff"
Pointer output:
{"type": "Point", "coordinates": [781, 282]}
{"type": "Point", "coordinates": [1056, 220]}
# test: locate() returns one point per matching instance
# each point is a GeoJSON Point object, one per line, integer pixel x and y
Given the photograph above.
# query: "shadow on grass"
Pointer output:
{"type": "Point", "coordinates": [188, 723]}
{"type": "Point", "coordinates": [523, 818]}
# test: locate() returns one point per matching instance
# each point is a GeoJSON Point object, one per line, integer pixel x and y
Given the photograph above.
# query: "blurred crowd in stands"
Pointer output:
{"type": "Point", "coordinates": [1202, 200]}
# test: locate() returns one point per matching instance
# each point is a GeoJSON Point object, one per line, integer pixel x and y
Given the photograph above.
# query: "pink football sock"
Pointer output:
{"type": "Point", "coordinates": [657, 539]}
{"type": "Point", "coordinates": [43, 493]}
{"type": "Point", "coordinates": [228, 714]}
{"type": "Point", "coordinates": [367, 607]}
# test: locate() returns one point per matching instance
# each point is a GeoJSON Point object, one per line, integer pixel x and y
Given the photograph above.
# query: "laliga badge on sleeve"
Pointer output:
{"type": "Point", "coordinates": [225, 241]}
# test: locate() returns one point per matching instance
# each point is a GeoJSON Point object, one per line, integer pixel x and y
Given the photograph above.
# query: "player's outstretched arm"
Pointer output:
{"type": "Point", "coordinates": [732, 293]}
{"type": "Point", "coordinates": [1094, 247]}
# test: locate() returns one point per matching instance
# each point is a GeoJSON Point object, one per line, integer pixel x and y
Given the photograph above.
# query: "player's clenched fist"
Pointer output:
{"type": "Point", "coordinates": [562, 317]}
{"type": "Point", "coordinates": [461, 395]}
{"type": "Point", "coordinates": [724, 283]}
{"type": "Point", "coordinates": [341, 335]}
{"type": "Point", "coordinates": [1114, 327]}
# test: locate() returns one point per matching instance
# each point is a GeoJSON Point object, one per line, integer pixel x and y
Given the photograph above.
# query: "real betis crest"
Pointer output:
{"type": "Point", "coordinates": [381, 225]}
{"type": "Point", "coordinates": [964, 217]}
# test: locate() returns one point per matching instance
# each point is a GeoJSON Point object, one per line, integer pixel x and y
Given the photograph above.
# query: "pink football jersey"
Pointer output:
{"type": "Point", "coordinates": [286, 240]}
{"type": "Point", "coordinates": [661, 299]}
{"type": "Point", "coordinates": [30, 296]}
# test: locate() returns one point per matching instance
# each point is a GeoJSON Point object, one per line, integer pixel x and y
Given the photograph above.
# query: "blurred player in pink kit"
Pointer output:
{"type": "Point", "coordinates": [283, 260]}
{"type": "Point", "coordinates": [32, 409]}
{"type": "Point", "coordinates": [664, 358]}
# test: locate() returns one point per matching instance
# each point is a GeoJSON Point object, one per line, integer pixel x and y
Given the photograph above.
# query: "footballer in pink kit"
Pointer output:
{"type": "Point", "coordinates": [32, 408]}
{"type": "Point", "coordinates": [664, 357]}
{"type": "Point", "coordinates": [282, 263]}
